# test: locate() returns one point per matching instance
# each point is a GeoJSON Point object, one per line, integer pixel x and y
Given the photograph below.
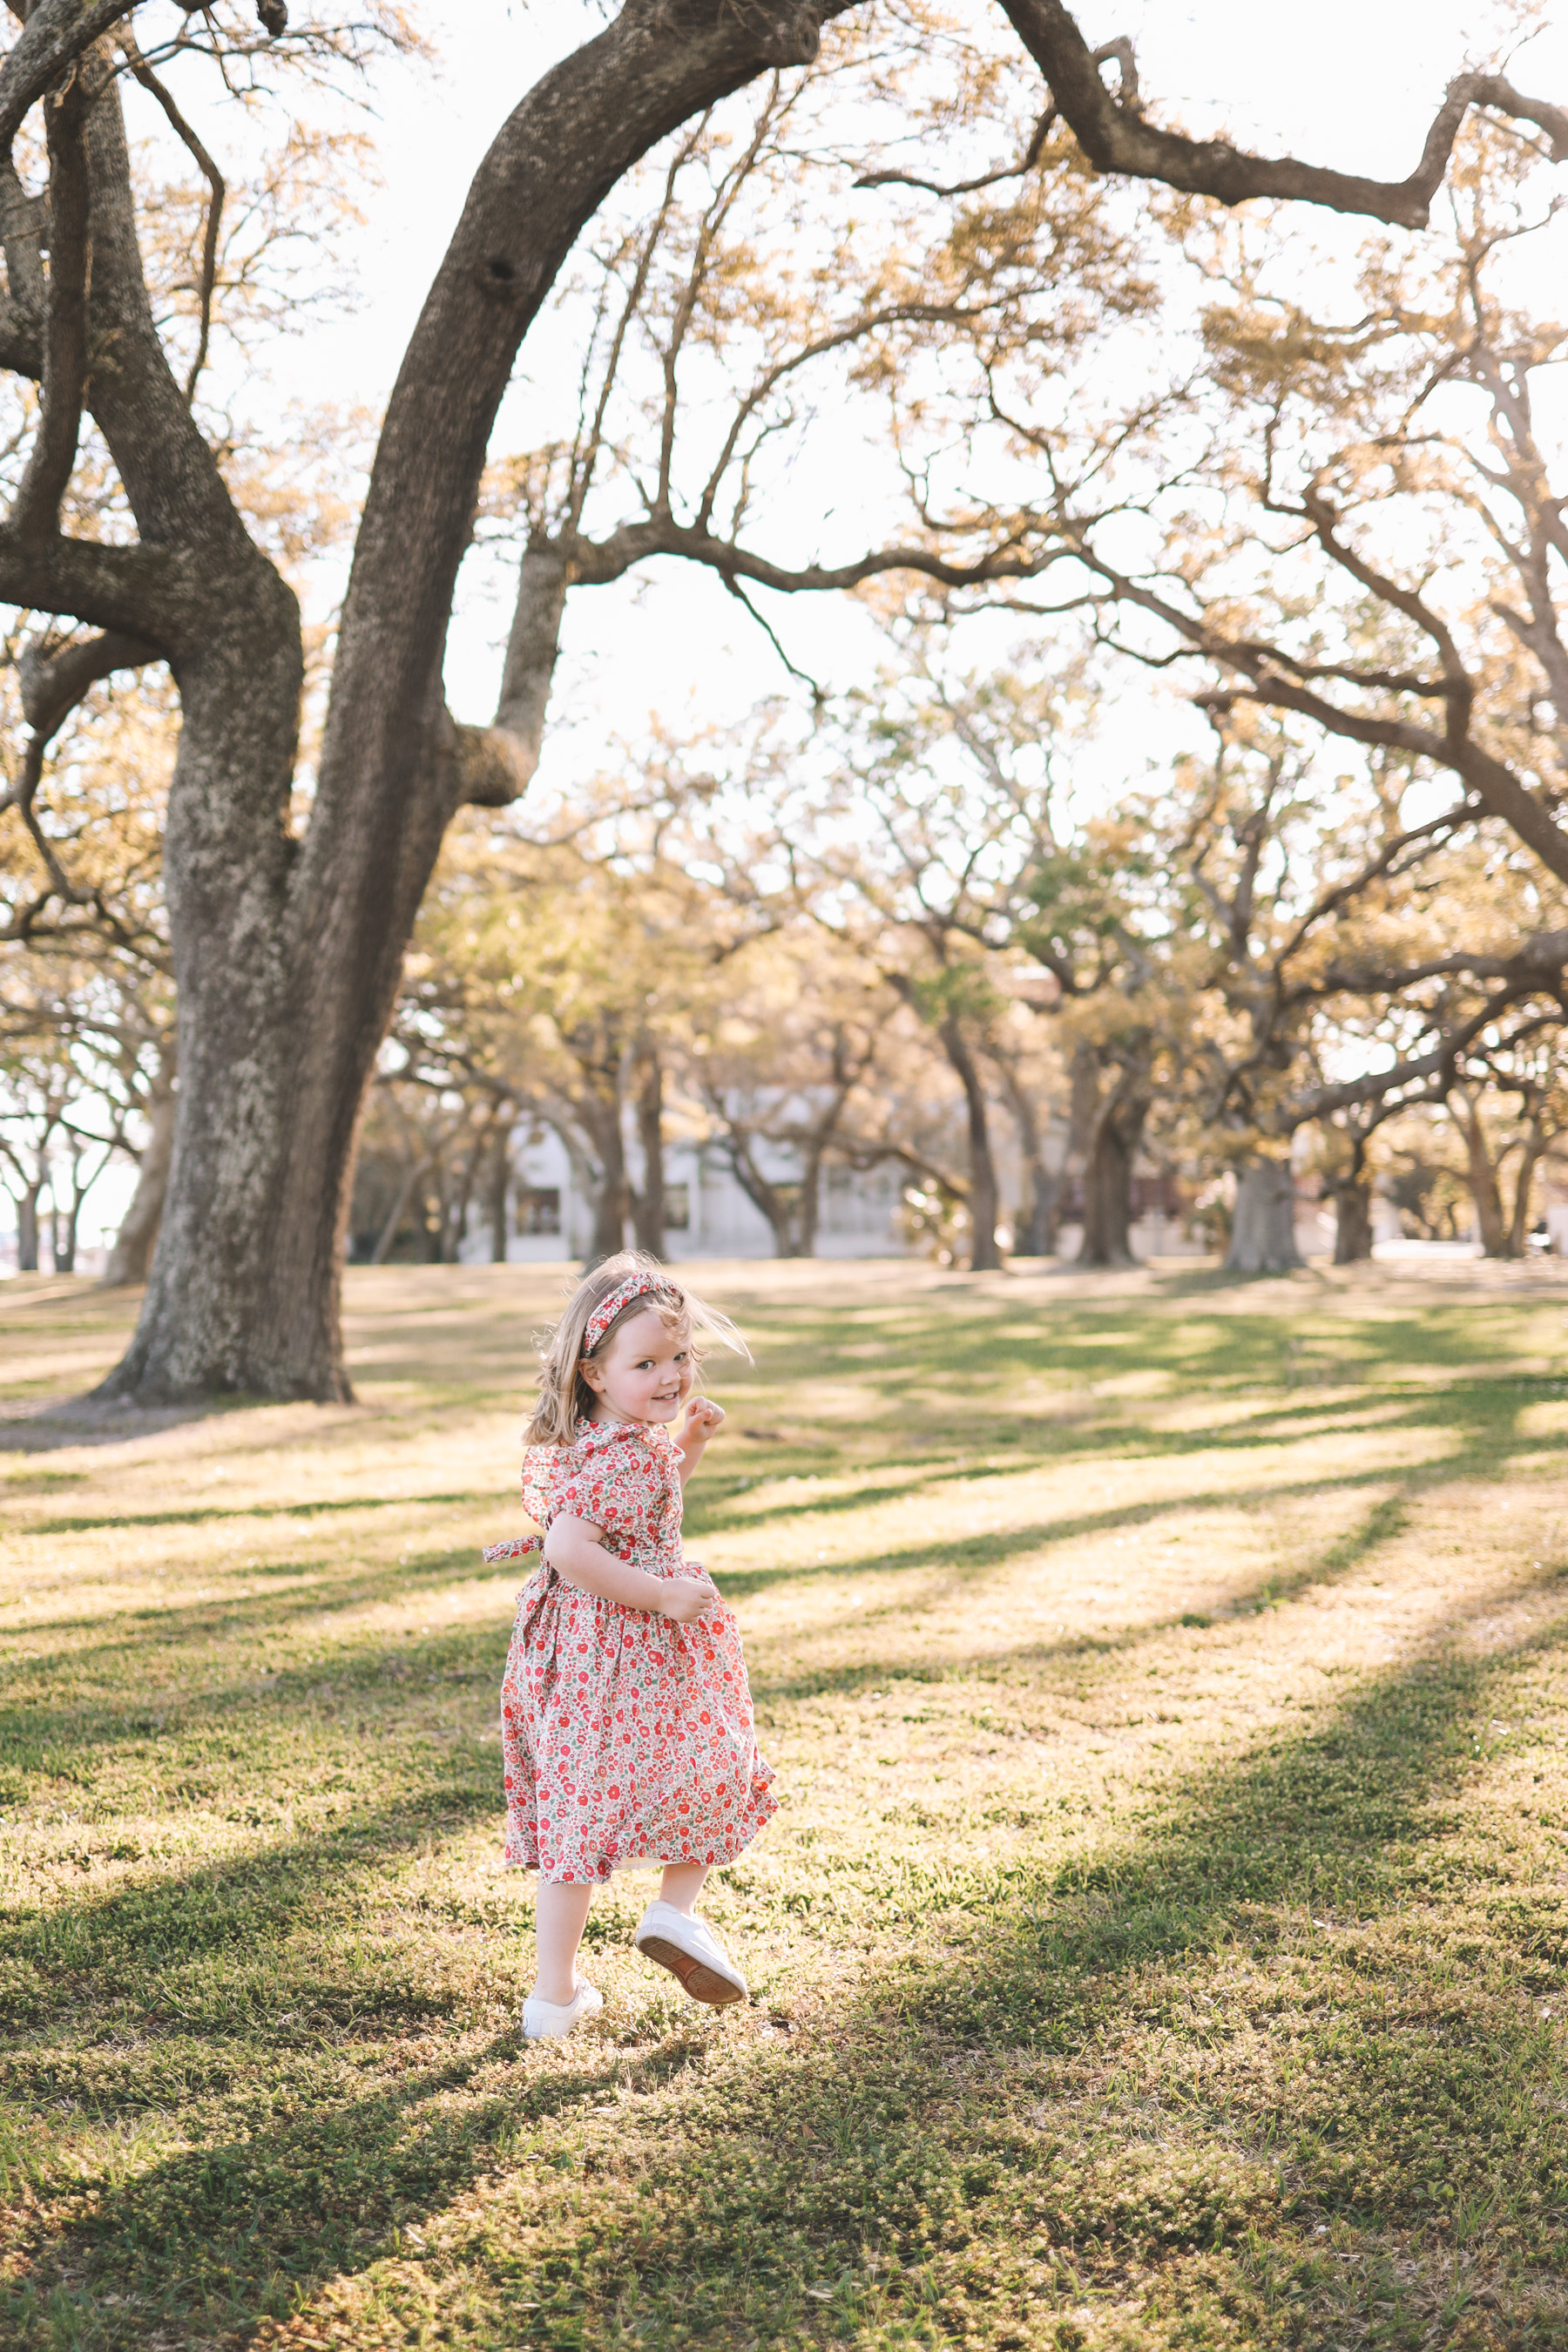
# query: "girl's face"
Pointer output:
{"type": "Point", "coordinates": [644, 1373]}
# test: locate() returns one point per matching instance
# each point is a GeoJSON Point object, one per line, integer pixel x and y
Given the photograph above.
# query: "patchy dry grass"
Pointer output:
{"type": "Point", "coordinates": [1163, 1943]}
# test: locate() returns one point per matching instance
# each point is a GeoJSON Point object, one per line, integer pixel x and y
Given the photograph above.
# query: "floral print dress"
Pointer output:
{"type": "Point", "coordinates": [628, 1739]}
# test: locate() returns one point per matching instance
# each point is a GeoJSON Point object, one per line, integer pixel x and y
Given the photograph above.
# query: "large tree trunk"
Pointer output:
{"type": "Point", "coordinates": [287, 957]}
{"type": "Point", "coordinates": [984, 1196]}
{"type": "Point", "coordinates": [1263, 1231]}
{"type": "Point", "coordinates": [1353, 1221]}
{"type": "Point", "coordinates": [243, 1294]}
{"type": "Point", "coordinates": [133, 1252]}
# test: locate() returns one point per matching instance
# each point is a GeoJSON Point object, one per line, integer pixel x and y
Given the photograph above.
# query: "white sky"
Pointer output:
{"type": "Point", "coordinates": [1351, 83]}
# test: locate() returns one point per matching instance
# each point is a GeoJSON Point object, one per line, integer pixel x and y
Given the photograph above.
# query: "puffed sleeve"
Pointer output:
{"type": "Point", "coordinates": [603, 1478]}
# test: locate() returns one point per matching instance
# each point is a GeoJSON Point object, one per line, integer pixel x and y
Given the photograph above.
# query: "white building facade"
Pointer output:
{"type": "Point", "coordinates": [706, 1210]}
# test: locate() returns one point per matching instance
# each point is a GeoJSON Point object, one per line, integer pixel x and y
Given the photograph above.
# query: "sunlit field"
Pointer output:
{"type": "Point", "coordinates": [1163, 1942]}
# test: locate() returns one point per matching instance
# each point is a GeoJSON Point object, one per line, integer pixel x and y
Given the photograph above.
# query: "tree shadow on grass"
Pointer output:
{"type": "Point", "coordinates": [42, 1740]}
{"type": "Point", "coordinates": [1484, 1446]}
{"type": "Point", "coordinates": [1378, 1525]}
{"type": "Point", "coordinates": [940, 2152]}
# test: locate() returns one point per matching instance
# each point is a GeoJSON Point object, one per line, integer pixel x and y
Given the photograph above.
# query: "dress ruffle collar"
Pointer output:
{"type": "Point", "coordinates": [595, 1437]}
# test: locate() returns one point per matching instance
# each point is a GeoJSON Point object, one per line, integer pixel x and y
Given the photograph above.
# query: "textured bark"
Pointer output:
{"type": "Point", "coordinates": [1263, 1231]}
{"type": "Point", "coordinates": [1353, 1221]}
{"type": "Point", "coordinates": [131, 1255]}
{"type": "Point", "coordinates": [1115, 137]}
{"type": "Point", "coordinates": [497, 762]}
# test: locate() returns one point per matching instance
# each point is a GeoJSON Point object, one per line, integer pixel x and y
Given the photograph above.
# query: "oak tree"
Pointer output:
{"type": "Point", "coordinates": [288, 928]}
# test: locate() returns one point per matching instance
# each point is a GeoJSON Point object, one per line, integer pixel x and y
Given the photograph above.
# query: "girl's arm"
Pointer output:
{"type": "Point", "coordinates": [574, 1549]}
{"type": "Point", "coordinates": [701, 1422]}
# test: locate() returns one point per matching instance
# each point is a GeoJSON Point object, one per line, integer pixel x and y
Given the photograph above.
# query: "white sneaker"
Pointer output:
{"type": "Point", "coordinates": [689, 1949]}
{"type": "Point", "coordinates": [549, 2021]}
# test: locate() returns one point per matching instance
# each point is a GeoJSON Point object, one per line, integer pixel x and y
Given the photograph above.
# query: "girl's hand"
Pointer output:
{"type": "Point", "coordinates": [702, 1419]}
{"type": "Point", "coordinates": [686, 1598]}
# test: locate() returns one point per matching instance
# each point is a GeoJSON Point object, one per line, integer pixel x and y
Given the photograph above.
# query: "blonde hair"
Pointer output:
{"type": "Point", "coordinates": [564, 1396]}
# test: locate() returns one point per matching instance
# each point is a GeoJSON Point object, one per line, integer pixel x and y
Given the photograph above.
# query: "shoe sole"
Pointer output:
{"type": "Point", "coordinates": [701, 1981]}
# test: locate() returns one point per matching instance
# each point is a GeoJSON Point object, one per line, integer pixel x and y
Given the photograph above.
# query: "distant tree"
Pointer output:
{"type": "Point", "coordinates": [287, 936]}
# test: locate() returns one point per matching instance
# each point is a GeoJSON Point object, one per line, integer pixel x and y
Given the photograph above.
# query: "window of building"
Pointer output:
{"type": "Point", "coordinates": [539, 1209]}
{"type": "Point", "coordinates": [678, 1208]}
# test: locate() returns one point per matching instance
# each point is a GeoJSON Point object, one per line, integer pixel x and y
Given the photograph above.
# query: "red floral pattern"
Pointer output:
{"type": "Point", "coordinates": [627, 1739]}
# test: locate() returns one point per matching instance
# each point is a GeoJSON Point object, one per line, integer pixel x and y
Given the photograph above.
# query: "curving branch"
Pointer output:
{"type": "Point", "coordinates": [56, 33]}
{"type": "Point", "coordinates": [153, 593]}
{"type": "Point", "coordinates": [21, 224]}
{"type": "Point", "coordinates": [1115, 137]}
{"type": "Point", "coordinates": [35, 518]}
{"type": "Point", "coordinates": [52, 686]}
{"type": "Point", "coordinates": [1031, 156]}
{"type": "Point", "coordinates": [492, 766]}
{"type": "Point", "coordinates": [149, 80]}
{"type": "Point", "coordinates": [1268, 676]}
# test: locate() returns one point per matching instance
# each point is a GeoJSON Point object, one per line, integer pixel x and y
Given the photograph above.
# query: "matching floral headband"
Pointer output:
{"type": "Point", "coordinates": [635, 1286]}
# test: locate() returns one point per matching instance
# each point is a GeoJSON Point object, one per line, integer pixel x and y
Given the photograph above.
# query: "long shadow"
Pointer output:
{"type": "Point", "coordinates": [1481, 1448]}
{"type": "Point", "coordinates": [1281, 1585]}
{"type": "Point", "coordinates": [78, 1954]}
{"type": "Point", "coordinates": [363, 1665]}
{"type": "Point", "coordinates": [204, 1514]}
{"type": "Point", "coordinates": [847, 2178]}
{"type": "Point", "coordinates": [195, 1622]}
{"type": "Point", "coordinates": [217, 1904]}
{"type": "Point", "coordinates": [374, 1666]}
{"type": "Point", "coordinates": [1112, 1442]}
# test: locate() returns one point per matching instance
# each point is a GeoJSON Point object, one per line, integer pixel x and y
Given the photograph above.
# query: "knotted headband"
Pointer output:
{"type": "Point", "coordinates": [635, 1285]}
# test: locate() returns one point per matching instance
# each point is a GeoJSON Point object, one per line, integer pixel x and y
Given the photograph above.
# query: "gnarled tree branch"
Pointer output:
{"type": "Point", "coordinates": [55, 35]}
{"type": "Point", "coordinates": [1115, 137]}
{"type": "Point", "coordinates": [35, 518]}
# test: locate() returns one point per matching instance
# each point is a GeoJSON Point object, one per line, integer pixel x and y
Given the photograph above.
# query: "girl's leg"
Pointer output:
{"type": "Point", "coordinates": [682, 1884]}
{"type": "Point", "coordinates": [560, 1915]}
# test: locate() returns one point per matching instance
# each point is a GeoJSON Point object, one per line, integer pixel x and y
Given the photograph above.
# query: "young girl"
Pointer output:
{"type": "Point", "coordinates": [626, 1713]}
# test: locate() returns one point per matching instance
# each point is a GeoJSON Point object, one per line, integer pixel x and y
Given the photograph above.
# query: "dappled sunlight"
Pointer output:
{"type": "Point", "coordinates": [1173, 1810]}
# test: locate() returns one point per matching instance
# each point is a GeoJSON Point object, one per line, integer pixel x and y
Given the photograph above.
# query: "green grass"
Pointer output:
{"type": "Point", "coordinates": [1163, 1943]}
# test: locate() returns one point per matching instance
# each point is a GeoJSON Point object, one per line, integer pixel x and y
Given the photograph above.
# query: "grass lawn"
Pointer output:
{"type": "Point", "coordinates": [1163, 1942]}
